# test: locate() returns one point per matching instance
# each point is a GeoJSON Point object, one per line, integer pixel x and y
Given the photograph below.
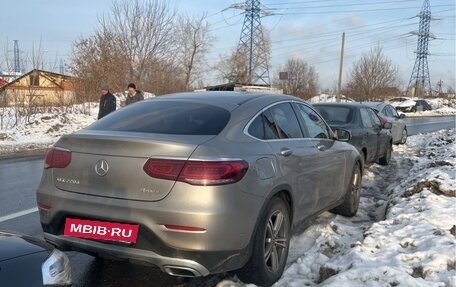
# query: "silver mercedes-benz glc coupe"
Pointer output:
{"type": "Point", "coordinates": [198, 183]}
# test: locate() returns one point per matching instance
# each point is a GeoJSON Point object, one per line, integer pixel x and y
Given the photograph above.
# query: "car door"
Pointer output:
{"type": "Point", "coordinates": [398, 123]}
{"type": "Point", "coordinates": [330, 160]}
{"type": "Point", "coordinates": [370, 135]}
{"type": "Point", "coordinates": [395, 130]}
{"type": "Point", "coordinates": [296, 157]}
{"type": "Point", "coordinates": [383, 135]}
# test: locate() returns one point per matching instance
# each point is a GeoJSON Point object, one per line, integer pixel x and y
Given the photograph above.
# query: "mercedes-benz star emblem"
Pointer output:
{"type": "Point", "coordinates": [101, 167]}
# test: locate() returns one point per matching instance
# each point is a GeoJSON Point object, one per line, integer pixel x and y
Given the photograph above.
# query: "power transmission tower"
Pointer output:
{"type": "Point", "coordinates": [17, 61]}
{"type": "Point", "coordinates": [439, 86]}
{"type": "Point", "coordinates": [62, 67]}
{"type": "Point", "coordinates": [252, 43]}
{"type": "Point", "coordinates": [420, 80]}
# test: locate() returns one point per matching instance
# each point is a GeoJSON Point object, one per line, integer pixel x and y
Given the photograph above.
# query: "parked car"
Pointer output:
{"type": "Point", "coordinates": [28, 262]}
{"type": "Point", "coordinates": [198, 183]}
{"type": "Point", "coordinates": [388, 113]}
{"type": "Point", "coordinates": [372, 138]}
{"type": "Point", "coordinates": [415, 105]}
{"type": "Point", "coordinates": [396, 100]}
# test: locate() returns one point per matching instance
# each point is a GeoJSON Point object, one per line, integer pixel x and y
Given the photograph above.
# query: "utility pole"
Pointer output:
{"type": "Point", "coordinates": [339, 83]}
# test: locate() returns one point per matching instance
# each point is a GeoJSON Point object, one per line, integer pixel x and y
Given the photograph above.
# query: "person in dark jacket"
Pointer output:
{"type": "Point", "coordinates": [107, 102]}
{"type": "Point", "coordinates": [133, 95]}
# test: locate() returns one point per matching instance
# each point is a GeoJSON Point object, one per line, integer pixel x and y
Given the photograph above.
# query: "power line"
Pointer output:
{"type": "Point", "coordinates": [358, 10]}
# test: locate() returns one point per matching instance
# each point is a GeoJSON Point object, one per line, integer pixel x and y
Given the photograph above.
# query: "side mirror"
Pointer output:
{"type": "Point", "coordinates": [402, 116]}
{"type": "Point", "coordinates": [343, 135]}
{"type": "Point", "coordinates": [388, 125]}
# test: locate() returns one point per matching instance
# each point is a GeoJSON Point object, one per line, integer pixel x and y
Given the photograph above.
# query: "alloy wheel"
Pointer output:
{"type": "Point", "coordinates": [275, 242]}
{"type": "Point", "coordinates": [356, 188]}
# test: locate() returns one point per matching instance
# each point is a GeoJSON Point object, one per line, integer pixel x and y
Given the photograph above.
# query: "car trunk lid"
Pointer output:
{"type": "Point", "coordinates": [110, 164]}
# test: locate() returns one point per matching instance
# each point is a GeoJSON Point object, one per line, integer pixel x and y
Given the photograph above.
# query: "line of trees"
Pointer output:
{"type": "Point", "coordinates": [146, 42]}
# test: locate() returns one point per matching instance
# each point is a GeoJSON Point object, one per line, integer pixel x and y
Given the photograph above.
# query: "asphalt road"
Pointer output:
{"type": "Point", "coordinates": [417, 125]}
{"type": "Point", "coordinates": [19, 178]}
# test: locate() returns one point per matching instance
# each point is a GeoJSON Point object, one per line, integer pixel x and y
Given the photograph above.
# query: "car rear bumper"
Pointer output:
{"type": "Point", "coordinates": [227, 214]}
{"type": "Point", "coordinates": [172, 266]}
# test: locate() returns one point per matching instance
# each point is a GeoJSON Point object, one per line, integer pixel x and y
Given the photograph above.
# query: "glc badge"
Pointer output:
{"type": "Point", "coordinates": [101, 167]}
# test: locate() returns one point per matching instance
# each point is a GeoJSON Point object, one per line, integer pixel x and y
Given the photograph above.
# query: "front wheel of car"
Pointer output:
{"type": "Point", "coordinates": [387, 156]}
{"type": "Point", "coordinates": [351, 200]}
{"type": "Point", "coordinates": [269, 247]}
{"type": "Point", "coordinates": [404, 136]}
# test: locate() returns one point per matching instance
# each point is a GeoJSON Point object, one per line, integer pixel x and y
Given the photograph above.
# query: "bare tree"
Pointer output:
{"type": "Point", "coordinates": [193, 40]}
{"type": "Point", "coordinates": [134, 43]}
{"type": "Point", "coordinates": [36, 57]}
{"type": "Point", "coordinates": [233, 68]}
{"type": "Point", "coordinates": [371, 75]}
{"type": "Point", "coordinates": [302, 79]}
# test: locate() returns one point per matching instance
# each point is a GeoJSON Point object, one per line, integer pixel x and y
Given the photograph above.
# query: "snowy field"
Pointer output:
{"type": "Point", "coordinates": [44, 129]}
{"type": "Point", "coordinates": [403, 234]}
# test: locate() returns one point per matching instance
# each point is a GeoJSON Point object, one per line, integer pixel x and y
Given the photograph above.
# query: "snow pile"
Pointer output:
{"type": "Point", "coordinates": [44, 129]}
{"type": "Point", "coordinates": [324, 98]}
{"type": "Point", "coordinates": [403, 234]}
{"type": "Point", "coordinates": [440, 106]}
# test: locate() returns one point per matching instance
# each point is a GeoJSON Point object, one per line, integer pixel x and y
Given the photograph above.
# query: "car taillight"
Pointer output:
{"type": "Point", "coordinates": [164, 168]}
{"type": "Point", "coordinates": [197, 172]}
{"type": "Point", "coordinates": [57, 158]}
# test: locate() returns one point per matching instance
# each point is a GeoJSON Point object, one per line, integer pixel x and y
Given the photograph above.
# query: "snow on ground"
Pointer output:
{"type": "Point", "coordinates": [440, 106]}
{"type": "Point", "coordinates": [403, 234]}
{"type": "Point", "coordinates": [44, 129]}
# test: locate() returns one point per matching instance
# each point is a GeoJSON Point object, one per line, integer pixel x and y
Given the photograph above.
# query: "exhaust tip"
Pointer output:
{"type": "Point", "coordinates": [181, 271]}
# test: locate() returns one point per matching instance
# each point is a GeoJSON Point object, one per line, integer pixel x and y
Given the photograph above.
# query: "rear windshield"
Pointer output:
{"type": "Point", "coordinates": [335, 115]}
{"type": "Point", "coordinates": [166, 117]}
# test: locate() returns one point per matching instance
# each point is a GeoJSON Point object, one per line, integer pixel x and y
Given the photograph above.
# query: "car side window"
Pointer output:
{"type": "Point", "coordinates": [285, 121]}
{"type": "Point", "coordinates": [263, 127]}
{"type": "Point", "coordinates": [316, 127]}
{"type": "Point", "coordinates": [387, 112]}
{"type": "Point", "coordinates": [365, 118]}
{"type": "Point", "coordinates": [393, 111]}
{"type": "Point", "coordinates": [374, 117]}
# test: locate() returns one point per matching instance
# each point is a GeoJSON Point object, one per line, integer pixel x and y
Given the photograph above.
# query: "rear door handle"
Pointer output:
{"type": "Point", "coordinates": [321, 147]}
{"type": "Point", "coordinates": [286, 152]}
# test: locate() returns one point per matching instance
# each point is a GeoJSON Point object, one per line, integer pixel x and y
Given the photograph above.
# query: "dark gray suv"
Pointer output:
{"type": "Point", "coordinates": [198, 183]}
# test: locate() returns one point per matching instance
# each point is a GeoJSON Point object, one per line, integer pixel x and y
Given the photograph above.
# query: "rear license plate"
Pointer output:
{"type": "Point", "coordinates": [101, 230]}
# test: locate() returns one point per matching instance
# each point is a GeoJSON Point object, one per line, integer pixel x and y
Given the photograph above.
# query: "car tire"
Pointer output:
{"type": "Point", "coordinates": [269, 247]}
{"type": "Point", "coordinates": [404, 137]}
{"type": "Point", "coordinates": [387, 156]}
{"type": "Point", "coordinates": [351, 200]}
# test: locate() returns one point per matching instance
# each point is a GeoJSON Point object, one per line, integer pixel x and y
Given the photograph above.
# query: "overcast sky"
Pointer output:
{"type": "Point", "coordinates": [309, 29]}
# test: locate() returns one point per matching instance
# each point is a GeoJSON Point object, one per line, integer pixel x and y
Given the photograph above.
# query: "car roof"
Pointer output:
{"type": "Point", "coordinates": [376, 104]}
{"type": "Point", "coordinates": [225, 97]}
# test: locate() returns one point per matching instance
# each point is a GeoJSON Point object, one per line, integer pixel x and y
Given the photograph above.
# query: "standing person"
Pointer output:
{"type": "Point", "coordinates": [107, 102]}
{"type": "Point", "coordinates": [133, 95]}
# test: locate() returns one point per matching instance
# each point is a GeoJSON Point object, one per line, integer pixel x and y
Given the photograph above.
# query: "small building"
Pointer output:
{"type": "Point", "coordinates": [40, 88]}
